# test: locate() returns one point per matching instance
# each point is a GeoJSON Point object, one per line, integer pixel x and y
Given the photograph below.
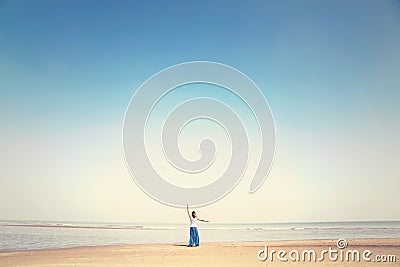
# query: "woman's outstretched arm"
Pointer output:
{"type": "Point", "coordinates": [202, 220]}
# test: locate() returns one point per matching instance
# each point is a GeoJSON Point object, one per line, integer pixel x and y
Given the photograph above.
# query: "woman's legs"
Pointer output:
{"type": "Point", "coordinates": [194, 237]}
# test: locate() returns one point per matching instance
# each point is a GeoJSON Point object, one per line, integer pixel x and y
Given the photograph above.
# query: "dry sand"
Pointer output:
{"type": "Point", "coordinates": [208, 254]}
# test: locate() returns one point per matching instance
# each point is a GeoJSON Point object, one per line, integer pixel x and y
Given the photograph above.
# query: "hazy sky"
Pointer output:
{"type": "Point", "coordinates": [329, 69]}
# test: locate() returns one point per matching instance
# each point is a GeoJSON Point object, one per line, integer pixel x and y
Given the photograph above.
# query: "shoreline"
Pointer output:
{"type": "Point", "coordinates": [287, 241]}
{"type": "Point", "coordinates": [208, 254]}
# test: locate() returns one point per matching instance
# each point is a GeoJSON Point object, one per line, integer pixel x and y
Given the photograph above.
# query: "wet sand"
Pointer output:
{"type": "Point", "coordinates": [209, 254]}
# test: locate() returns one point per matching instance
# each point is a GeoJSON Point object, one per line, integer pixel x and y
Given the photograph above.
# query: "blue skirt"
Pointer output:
{"type": "Point", "coordinates": [194, 237]}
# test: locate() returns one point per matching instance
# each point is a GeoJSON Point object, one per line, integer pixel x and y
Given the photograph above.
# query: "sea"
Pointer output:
{"type": "Point", "coordinates": [28, 235]}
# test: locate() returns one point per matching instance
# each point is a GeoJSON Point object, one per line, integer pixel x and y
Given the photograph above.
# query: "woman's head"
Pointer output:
{"type": "Point", "coordinates": [193, 214]}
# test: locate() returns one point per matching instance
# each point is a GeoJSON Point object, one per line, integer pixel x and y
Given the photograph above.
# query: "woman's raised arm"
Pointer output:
{"type": "Point", "coordinates": [187, 209]}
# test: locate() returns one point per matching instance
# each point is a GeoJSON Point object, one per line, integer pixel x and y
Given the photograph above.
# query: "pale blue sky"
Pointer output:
{"type": "Point", "coordinates": [329, 69]}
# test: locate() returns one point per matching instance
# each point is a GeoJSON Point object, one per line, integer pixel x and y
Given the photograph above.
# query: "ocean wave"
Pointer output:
{"type": "Point", "coordinates": [209, 227]}
{"type": "Point", "coordinates": [75, 226]}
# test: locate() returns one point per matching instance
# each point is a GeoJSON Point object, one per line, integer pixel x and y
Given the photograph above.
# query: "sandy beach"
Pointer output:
{"type": "Point", "coordinates": [208, 254]}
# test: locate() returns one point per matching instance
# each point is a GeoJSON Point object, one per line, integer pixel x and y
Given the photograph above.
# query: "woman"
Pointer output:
{"type": "Point", "coordinates": [194, 234]}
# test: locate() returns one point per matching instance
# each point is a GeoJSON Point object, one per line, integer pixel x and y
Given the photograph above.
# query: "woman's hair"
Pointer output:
{"type": "Point", "coordinates": [193, 214]}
